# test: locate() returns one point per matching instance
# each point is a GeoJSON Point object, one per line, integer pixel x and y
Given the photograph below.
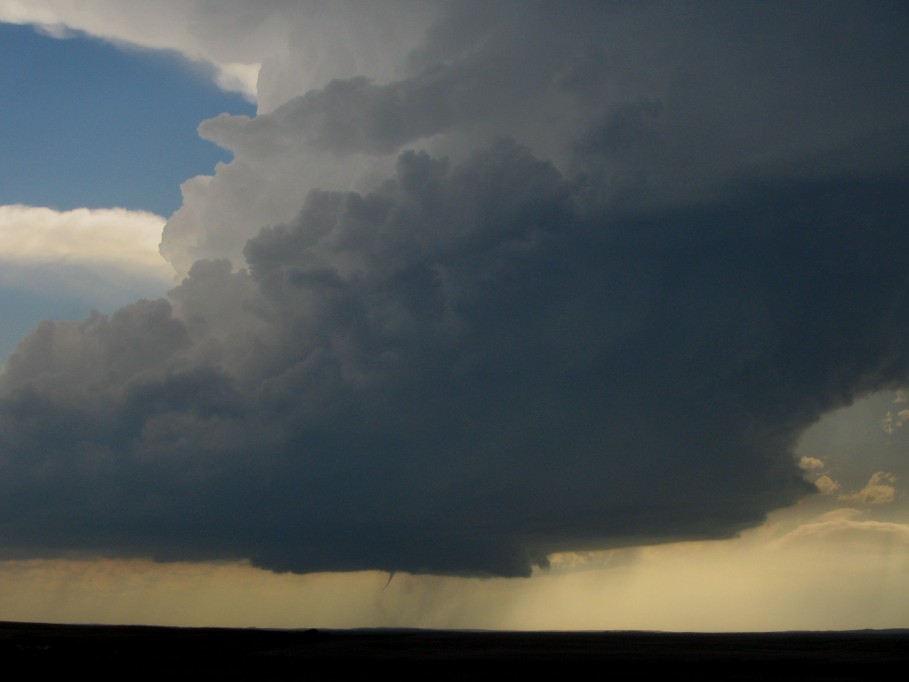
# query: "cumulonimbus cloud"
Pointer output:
{"type": "Point", "coordinates": [576, 298]}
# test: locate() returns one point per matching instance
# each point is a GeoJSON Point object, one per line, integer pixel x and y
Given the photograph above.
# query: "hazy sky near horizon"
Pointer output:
{"type": "Point", "coordinates": [566, 316]}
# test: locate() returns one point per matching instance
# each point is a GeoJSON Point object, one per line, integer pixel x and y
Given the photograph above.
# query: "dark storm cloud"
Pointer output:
{"type": "Point", "coordinates": [484, 360]}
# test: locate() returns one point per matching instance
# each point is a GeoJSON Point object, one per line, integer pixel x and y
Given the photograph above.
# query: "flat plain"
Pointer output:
{"type": "Point", "coordinates": [131, 652]}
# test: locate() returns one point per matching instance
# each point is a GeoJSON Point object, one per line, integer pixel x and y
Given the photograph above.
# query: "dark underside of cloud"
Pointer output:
{"type": "Point", "coordinates": [477, 363]}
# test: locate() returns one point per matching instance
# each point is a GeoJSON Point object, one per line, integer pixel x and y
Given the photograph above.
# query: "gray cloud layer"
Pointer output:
{"type": "Point", "coordinates": [632, 252]}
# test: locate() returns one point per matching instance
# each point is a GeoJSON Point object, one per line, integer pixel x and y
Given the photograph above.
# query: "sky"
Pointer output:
{"type": "Point", "coordinates": [72, 151]}
{"type": "Point", "coordinates": [455, 315]}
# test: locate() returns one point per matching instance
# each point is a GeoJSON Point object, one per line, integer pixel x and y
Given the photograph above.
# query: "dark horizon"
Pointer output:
{"type": "Point", "coordinates": [111, 650]}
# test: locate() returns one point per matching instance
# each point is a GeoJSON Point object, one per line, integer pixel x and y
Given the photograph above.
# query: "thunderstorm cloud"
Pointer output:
{"type": "Point", "coordinates": [504, 281]}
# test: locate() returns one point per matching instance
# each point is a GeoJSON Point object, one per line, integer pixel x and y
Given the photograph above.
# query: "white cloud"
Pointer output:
{"type": "Point", "coordinates": [127, 240]}
{"type": "Point", "coordinates": [89, 258]}
{"type": "Point", "coordinates": [238, 77]}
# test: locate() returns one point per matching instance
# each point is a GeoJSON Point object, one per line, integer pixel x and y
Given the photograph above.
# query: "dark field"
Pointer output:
{"type": "Point", "coordinates": [128, 652]}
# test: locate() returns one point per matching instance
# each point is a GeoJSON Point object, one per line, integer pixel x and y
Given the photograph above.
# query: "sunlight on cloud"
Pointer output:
{"type": "Point", "coordinates": [827, 485]}
{"type": "Point", "coordinates": [878, 490]}
{"type": "Point", "coordinates": [847, 524]}
{"type": "Point", "coordinates": [838, 570]}
{"type": "Point", "coordinates": [238, 77]}
{"type": "Point", "coordinates": [66, 264]}
{"type": "Point", "coordinates": [811, 463]}
{"type": "Point", "coordinates": [16, 12]}
{"type": "Point", "coordinates": [117, 237]}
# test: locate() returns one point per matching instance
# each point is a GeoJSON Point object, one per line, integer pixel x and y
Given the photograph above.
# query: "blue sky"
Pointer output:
{"type": "Point", "coordinates": [71, 111]}
{"type": "Point", "coordinates": [611, 334]}
{"type": "Point", "coordinates": [89, 124]}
